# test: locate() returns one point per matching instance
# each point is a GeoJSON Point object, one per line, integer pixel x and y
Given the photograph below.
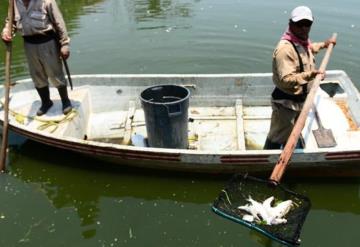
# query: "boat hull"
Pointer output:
{"type": "Point", "coordinates": [333, 164]}
{"type": "Point", "coordinates": [305, 162]}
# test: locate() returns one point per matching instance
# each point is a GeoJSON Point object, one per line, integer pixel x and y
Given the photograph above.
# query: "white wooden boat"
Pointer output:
{"type": "Point", "coordinates": [231, 118]}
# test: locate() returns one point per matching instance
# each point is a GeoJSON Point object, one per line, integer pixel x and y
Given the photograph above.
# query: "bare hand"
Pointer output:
{"type": "Point", "coordinates": [6, 36]}
{"type": "Point", "coordinates": [315, 72]}
{"type": "Point", "coordinates": [330, 41]}
{"type": "Point", "coordinates": [65, 52]}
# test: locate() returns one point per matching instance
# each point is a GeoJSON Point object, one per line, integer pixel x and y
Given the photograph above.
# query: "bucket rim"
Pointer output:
{"type": "Point", "coordinates": [165, 103]}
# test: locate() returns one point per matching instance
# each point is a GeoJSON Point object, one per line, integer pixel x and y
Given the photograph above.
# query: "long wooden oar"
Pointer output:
{"type": "Point", "coordinates": [286, 154]}
{"type": "Point", "coordinates": [7, 82]}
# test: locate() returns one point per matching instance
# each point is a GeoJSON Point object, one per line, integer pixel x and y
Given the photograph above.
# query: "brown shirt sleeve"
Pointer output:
{"type": "Point", "coordinates": [58, 22]}
{"type": "Point", "coordinates": [316, 47]}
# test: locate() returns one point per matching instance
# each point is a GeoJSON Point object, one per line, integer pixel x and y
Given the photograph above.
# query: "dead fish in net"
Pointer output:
{"type": "Point", "coordinates": [256, 209]}
{"type": "Point", "coordinates": [265, 212]}
{"type": "Point", "coordinates": [280, 210]}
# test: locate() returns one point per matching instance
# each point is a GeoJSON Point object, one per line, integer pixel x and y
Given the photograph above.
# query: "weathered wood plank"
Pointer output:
{"type": "Point", "coordinates": [128, 123]}
{"type": "Point", "coordinates": [240, 125]}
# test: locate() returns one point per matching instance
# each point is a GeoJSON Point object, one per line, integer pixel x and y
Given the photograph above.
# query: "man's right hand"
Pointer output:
{"type": "Point", "coordinates": [316, 72]}
{"type": "Point", "coordinates": [6, 36]}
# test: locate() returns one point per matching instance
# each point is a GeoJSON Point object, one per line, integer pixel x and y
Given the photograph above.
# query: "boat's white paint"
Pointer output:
{"type": "Point", "coordinates": [231, 115]}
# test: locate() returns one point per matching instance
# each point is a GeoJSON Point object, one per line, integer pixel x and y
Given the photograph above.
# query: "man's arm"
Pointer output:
{"type": "Point", "coordinates": [60, 28]}
{"type": "Point", "coordinates": [316, 47]}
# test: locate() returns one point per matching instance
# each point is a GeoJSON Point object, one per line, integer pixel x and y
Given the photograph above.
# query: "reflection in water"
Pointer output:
{"type": "Point", "coordinates": [84, 187]}
{"type": "Point", "coordinates": [49, 195]}
{"type": "Point", "coordinates": [146, 10]}
{"type": "Point", "coordinates": [159, 14]}
{"type": "Point", "coordinates": [66, 183]}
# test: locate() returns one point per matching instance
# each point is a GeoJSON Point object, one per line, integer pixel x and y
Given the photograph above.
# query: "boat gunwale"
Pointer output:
{"type": "Point", "coordinates": [225, 75]}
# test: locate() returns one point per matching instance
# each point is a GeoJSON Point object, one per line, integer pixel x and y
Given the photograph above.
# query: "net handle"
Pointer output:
{"type": "Point", "coordinates": [288, 150]}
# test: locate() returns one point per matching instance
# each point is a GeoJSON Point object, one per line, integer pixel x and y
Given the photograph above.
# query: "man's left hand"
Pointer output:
{"type": "Point", "coordinates": [329, 41]}
{"type": "Point", "coordinates": [65, 52]}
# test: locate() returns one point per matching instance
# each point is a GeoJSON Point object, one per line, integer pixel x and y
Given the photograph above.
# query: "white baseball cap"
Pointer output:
{"type": "Point", "coordinates": [301, 13]}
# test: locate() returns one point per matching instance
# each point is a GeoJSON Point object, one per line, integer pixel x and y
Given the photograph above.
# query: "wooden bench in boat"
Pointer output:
{"type": "Point", "coordinates": [210, 128]}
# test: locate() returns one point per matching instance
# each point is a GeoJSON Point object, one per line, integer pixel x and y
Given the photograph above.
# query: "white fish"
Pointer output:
{"type": "Point", "coordinates": [256, 209]}
{"type": "Point", "coordinates": [267, 202]}
{"type": "Point", "coordinates": [259, 208]}
{"type": "Point", "coordinates": [264, 211]}
{"type": "Point", "coordinates": [277, 213]}
{"type": "Point", "coordinates": [277, 221]}
{"type": "Point", "coordinates": [248, 217]}
{"type": "Point", "coordinates": [281, 209]}
{"type": "Point", "coordinates": [250, 209]}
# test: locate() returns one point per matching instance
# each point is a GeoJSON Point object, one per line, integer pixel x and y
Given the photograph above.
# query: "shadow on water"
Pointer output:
{"type": "Point", "coordinates": [49, 161]}
{"type": "Point", "coordinates": [70, 180]}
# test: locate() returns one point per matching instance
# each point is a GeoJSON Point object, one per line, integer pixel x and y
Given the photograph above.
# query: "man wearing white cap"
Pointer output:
{"type": "Point", "coordinates": [293, 70]}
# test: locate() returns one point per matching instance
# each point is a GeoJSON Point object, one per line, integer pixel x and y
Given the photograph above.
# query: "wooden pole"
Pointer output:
{"type": "Point", "coordinates": [7, 82]}
{"type": "Point", "coordinates": [286, 154]}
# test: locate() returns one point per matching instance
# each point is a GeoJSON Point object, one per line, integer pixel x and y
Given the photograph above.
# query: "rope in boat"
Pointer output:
{"type": "Point", "coordinates": [20, 118]}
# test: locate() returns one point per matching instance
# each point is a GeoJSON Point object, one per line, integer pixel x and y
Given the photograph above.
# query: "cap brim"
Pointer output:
{"type": "Point", "coordinates": [299, 18]}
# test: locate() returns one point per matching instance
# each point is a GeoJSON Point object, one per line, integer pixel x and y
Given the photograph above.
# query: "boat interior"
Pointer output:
{"type": "Point", "coordinates": [225, 114]}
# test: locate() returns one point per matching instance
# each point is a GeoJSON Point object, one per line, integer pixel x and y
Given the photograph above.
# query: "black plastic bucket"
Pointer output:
{"type": "Point", "coordinates": [166, 115]}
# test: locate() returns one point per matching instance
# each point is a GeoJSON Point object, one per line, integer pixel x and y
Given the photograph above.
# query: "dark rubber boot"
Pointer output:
{"type": "Point", "coordinates": [271, 145]}
{"type": "Point", "coordinates": [66, 103]}
{"type": "Point", "coordinates": [46, 103]}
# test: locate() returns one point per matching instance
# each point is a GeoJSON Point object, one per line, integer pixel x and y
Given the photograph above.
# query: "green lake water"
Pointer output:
{"type": "Point", "coordinates": [53, 198]}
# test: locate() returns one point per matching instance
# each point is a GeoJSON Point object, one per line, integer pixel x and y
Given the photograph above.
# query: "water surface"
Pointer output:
{"type": "Point", "coordinates": [55, 198]}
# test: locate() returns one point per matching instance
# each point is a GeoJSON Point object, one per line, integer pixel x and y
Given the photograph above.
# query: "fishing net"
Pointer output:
{"type": "Point", "coordinates": [238, 190]}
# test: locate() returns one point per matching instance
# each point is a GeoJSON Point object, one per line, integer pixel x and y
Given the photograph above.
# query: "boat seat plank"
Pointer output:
{"type": "Point", "coordinates": [106, 125]}
{"type": "Point", "coordinates": [128, 123]}
{"type": "Point", "coordinates": [258, 112]}
{"type": "Point", "coordinates": [215, 135]}
{"type": "Point", "coordinates": [212, 128]}
{"type": "Point", "coordinates": [240, 125]}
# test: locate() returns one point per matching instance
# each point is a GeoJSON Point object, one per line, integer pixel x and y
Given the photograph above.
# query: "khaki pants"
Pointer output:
{"type": "Point", "coordinates": [45, 64]}
{"type": "Point", "coordinates": [282, 122]}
